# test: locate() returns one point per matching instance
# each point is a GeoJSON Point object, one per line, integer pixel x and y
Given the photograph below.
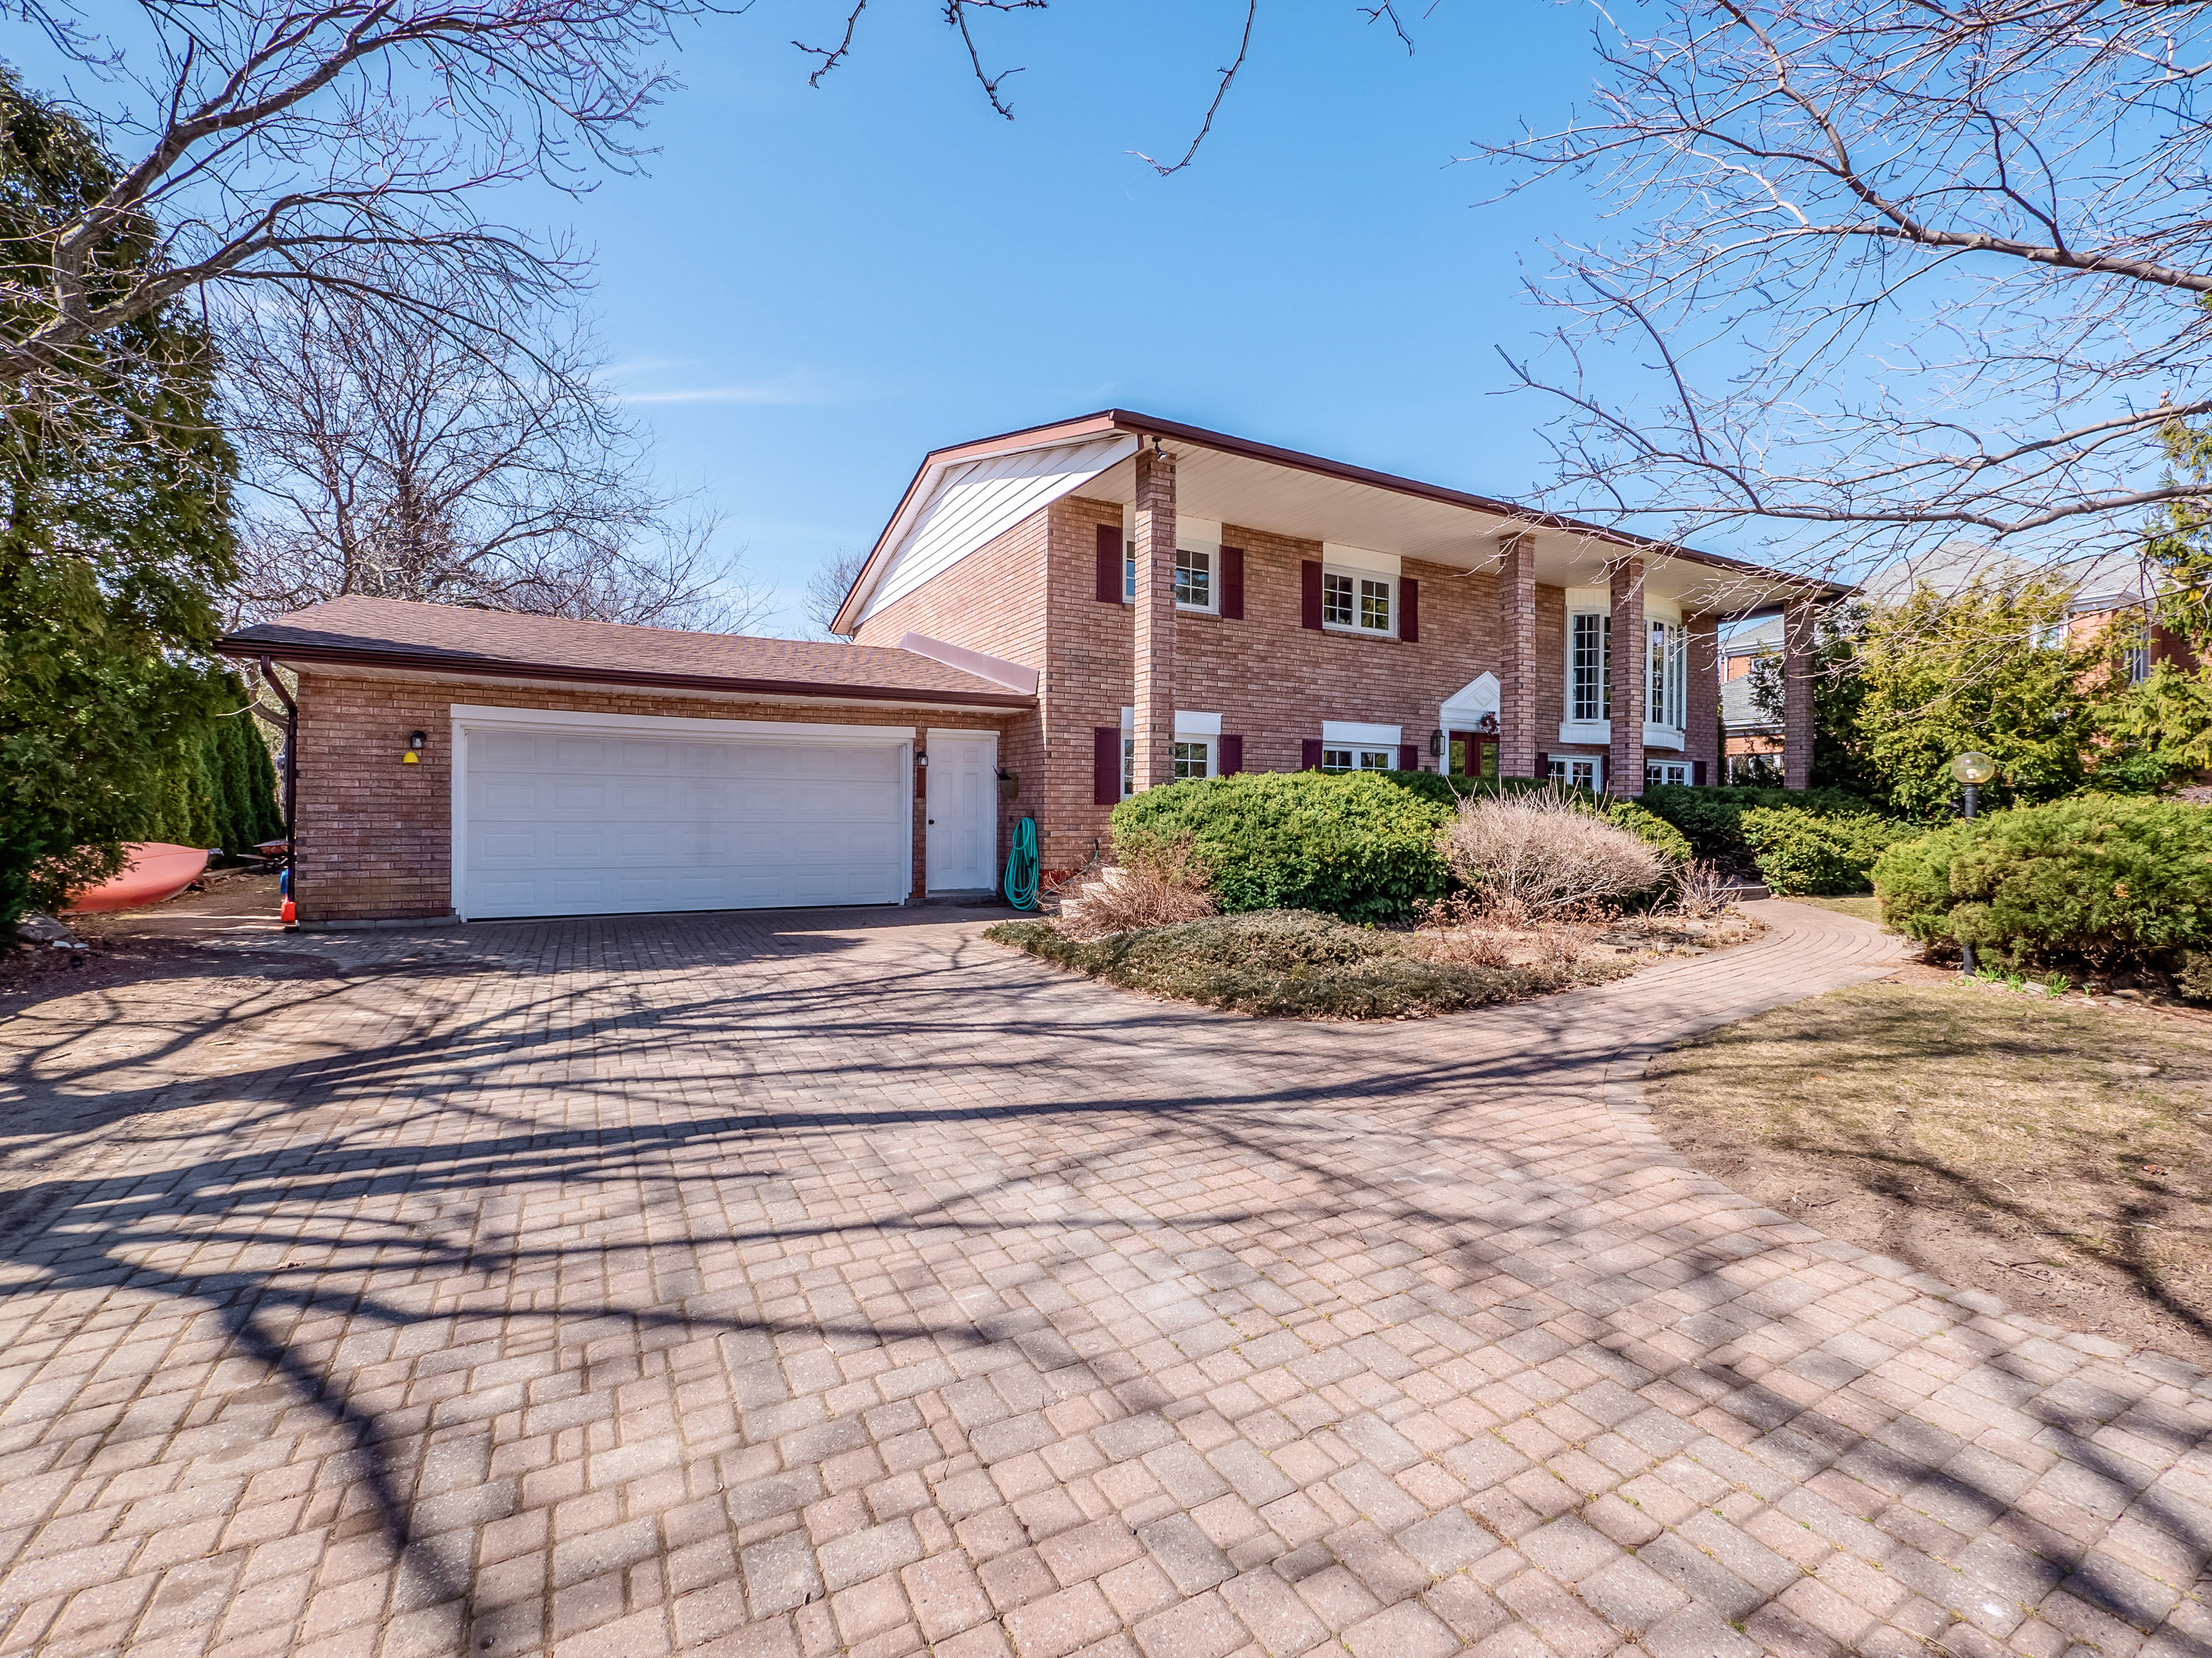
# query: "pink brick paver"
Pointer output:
{"type": "Point", "coordinates": [768, 1285]}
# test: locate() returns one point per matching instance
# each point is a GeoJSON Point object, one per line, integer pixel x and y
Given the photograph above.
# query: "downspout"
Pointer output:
{"type": "Point", "coordinates": [291, 779]}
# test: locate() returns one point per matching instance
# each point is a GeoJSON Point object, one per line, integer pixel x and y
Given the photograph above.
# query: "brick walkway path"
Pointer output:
{"type": "Point", "coordinates": [768, 1286]}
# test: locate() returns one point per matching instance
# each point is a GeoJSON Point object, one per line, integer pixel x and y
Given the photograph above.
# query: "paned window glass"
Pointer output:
{"type": "Point", "coordinates": [1336, 599]}
{"type": "Point", "coordinates": [1193, 759]}
{"type": "Point", "coordinates": [1590, 682]}
{"type": "Point", "coordinates": [1359, 760]}
{"type": "Point", "coordinates": [1375, 606]}
{"type": "Point", "coordinates": [1668, 692]}
{"type": "Point", "coordinates": [1193, 579]}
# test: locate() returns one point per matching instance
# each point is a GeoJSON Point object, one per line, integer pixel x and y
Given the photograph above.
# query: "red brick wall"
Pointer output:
{"type": "Point", "coordinates": [375, 835]}
{"type": "Point", "coordinates": [1272, 680]}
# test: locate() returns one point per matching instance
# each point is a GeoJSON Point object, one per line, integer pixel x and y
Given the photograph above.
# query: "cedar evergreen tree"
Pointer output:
{"type": "Point", "coordinates": [117, 531]}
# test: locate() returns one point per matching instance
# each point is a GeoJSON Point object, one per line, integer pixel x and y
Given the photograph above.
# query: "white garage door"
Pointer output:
{"type": "Point", "coordinates": [600, 819]}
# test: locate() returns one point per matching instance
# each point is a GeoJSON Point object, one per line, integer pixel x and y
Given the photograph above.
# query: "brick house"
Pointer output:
{"type": "Point", "coordinates": [1051, 619]}
{"type": "Point", "coordinates": [1196, 604]}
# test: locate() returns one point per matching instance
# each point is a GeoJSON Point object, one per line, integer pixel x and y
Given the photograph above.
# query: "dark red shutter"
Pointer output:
{"type": "Point", "coordinates": [1543, 767]}
{"type": "Point", "coordinates": [1233, 755]}
{"type": "Point", "coordinates": [1310, 751]}
{"type": "Point", "coordinates": [1697, 773]}
{"type": "Point", "coordinates": [1409, 757]}
{"type": "Point", "coordinates": [1110, 571]}
{"type": "Point", "coordinates": [1409, 609]}
{"type": "Point", "coordinates": [1105, 765]}
{"type": "Point", "coordinates": [1309, 596]}
{"type": "Point", "coordinates": [1232, 583]}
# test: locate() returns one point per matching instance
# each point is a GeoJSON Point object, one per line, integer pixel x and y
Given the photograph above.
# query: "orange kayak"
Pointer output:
{"type": "Point", "coordinates": [157, 870]}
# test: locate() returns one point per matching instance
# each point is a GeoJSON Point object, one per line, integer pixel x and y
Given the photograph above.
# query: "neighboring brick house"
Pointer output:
{"type": "Point", "coordinates": [1196, 604]}
{"type": "Point", "coordinates": [2103, 591]}
{"type": "Point", "coordinates": [1052, 618]}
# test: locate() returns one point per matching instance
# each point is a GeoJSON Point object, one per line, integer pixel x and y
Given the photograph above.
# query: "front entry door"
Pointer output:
{"type": "Point", "coordinates": [1473, 755]}
{"type": "Point", "coordinates": [962, 794]}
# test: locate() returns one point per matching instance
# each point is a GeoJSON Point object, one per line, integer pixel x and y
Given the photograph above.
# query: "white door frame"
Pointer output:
{"type": "Point", "coordinates": [462, 716]}
{"type": "Point", "coordinates": [929, 883]}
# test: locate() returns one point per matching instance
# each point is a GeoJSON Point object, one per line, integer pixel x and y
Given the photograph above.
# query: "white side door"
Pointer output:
{"type": "Point", "coordinates": [963, 812]}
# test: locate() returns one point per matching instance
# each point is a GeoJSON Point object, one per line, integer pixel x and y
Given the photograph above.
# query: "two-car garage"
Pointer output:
{"type": "Point", "coordinates": [561, 814]}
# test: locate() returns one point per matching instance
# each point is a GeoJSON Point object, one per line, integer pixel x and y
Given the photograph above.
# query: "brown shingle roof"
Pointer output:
{"type": "Point", "coordinates": [408, 637]}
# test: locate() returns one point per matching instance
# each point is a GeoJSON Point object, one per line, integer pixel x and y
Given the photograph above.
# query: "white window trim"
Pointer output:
{"type": "Point", "coordinates": [1356, 574]}
{"type": "Point", "coordinates": [1563, 768]}
{"type": "Point", "coordinates": [1356, 734]}
{"type": "Point", "coordinates": [1212, 556]}
{"type": "Point", "coordinates": [1662, 767]}
{"type": "Point", "coordinates": [1189, 727]}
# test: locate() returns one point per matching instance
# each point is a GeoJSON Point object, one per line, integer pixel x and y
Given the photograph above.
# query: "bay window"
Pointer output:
{"type": "Point", "coordinates": [1668, 672]}
{"type": "Point", "coordinates": [1590, 662]}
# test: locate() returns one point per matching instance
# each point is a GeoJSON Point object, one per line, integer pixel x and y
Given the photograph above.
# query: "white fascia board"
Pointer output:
{"type": "Point", "coordinates": [670, 725]}
{"type": "Point", "coordinates": [1186, 724]}
{"type": "Point", "coordinates": [962, 505]}
{"type": "Point", "coordinates": [1335, 554]}
{"type": "Point", "coordinates": [1360, 736]}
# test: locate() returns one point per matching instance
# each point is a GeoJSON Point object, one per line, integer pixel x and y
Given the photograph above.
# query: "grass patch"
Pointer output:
{"type": "Point", "coordinates": [2050, 1153]}
{"type": "Point", "coordinates": [1865, 904]}
{"type": "Point", "coordinates": [1294, 964]}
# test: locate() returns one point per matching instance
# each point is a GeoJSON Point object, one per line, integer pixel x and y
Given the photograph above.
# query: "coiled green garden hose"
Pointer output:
{"type": "Point", "coordinates": [1020, 884]}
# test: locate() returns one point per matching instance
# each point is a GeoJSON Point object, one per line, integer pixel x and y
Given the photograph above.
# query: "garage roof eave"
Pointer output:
{"type": "Point", "coordinates": [444, 666]}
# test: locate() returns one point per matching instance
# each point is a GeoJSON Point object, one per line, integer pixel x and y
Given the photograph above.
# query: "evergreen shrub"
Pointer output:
{"type": "Point", "coordinates": [1824, 856]}
{"type": "Point", "coordinates": [2112, 880]}
{"type": "Point", "coordinates": [1356, 845]}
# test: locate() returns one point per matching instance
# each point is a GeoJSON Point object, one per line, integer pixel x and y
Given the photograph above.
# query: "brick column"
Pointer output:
{"type": "Point", "coordinates": [1704, 705]}
{"type": "Point", "coordinates": [1798, 623]}
{"type": "Point", "coordinates": [1517, 659]}
{"type": "Point", "coordinates": [1630, 671]}
{"type": "Point", "coordinates": [1154, 700]}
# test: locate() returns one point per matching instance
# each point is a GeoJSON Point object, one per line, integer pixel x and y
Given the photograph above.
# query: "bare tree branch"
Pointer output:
{"type": "Point", "coordinates": [277, 140]}
{"type": "Point", "coordinates": [1910, 266]}
{"type": "Point", "coordinates": [833, 56]}
{"type": "Point", "coordinates": [1228, 76]}
{"type": "Point", "coordinates": [386, 460]}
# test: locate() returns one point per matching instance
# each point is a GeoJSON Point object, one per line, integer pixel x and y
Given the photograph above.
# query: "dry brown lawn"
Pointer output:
{"type": "Point", "coordinates": [2051, 1153]}
{"type": "Point", "coordinates": [1864, 905]}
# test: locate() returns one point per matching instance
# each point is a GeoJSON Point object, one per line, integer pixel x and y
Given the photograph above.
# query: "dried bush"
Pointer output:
{"type": "Point", "coordinates": [1164, 885]}
{"type": "Point", "coordinates": [1564, 943]}
{"type": "Point", "coordinates": [1546, 853]}
{"type": "Point", "coordinates": [1459, 931]}
{"type": "Point", "coordinates": [1703, 891]}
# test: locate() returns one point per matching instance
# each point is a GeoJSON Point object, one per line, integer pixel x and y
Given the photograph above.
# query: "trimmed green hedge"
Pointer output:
{"type": "Point", "coordinates": [1358, 845]}
{"type": "Point", "coordinates": [1353, 844]}
{"type": "Point", "coordinates": [1802, 852]}
{"type": "Point", "coordinates": [2106, 879]}
{"type": "Point", "coordinates": [1820, 841]}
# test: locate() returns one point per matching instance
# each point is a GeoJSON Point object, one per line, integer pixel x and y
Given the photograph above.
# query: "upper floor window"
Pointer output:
{"type": "Point", "coordinates": [1668, 698]}
{"type": "Point", "coordinates": [1589, 664]}
{"type": "Point", "coordinates": [1195, 585]}
{"type": "Point", "coordinates": [1364, 604]}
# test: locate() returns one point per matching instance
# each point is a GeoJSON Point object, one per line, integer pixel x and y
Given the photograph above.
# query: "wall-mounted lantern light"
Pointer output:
{"type": "Point", "coordinates": [414, 755]}
{"type": "Point", "coordinates": [1436, 743]}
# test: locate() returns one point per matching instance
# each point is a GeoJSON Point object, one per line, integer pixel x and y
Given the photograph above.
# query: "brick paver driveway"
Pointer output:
{"type": "Point", "coordinates": [769, 1285]}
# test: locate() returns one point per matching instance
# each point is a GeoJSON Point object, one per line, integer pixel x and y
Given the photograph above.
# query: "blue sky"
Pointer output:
{"type": "Point", "coordinates": [806, 290]}
{"type": "Point", "coordinates": [812, 287]}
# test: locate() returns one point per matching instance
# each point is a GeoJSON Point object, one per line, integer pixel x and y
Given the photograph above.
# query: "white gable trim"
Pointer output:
{"type": "Point", "coordinates": [1466, 705]}
{"type": "Point", "coordinates": [977, 500]}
